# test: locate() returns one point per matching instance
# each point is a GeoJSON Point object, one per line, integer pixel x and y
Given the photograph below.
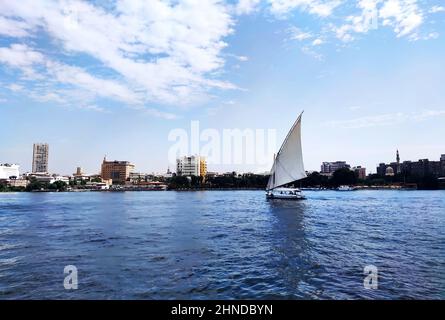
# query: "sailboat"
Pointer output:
{"type": "Point", "coordinates": [288, 167]}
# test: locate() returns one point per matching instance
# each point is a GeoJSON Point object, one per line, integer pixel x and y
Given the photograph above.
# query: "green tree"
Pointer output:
{"type": "Point", "coordinates": [343, 176]}
{"type": "Point", "coordinates": [177, 182]}
{"type": "Point", "coordinates": [58, 185]}
{"type": "Point", "coordinates": [35, 185]}
{"type": "Point", "coordinates": [315, 179]}
{"type": "Point", "coordinates": [3, 187]}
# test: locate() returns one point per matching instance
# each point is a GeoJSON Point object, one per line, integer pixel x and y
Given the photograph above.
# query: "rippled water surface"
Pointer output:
{"type": "Point", "coordinates": [222, 245]}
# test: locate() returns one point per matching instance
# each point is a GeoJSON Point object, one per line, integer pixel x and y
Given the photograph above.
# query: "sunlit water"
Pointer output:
{"type": "Point", "coordinates": [222, 245]}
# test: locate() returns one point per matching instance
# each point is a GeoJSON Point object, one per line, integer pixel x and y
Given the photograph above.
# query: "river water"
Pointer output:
{"type": "Point", "coordinates": [222, 245]}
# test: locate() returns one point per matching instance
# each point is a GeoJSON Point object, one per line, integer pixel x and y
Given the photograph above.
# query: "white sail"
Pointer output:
{"type": "Point", "coordinates": [288, 164]}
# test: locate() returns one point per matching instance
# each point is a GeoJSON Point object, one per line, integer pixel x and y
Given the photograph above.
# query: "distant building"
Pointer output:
{"type": "Point", "coordinates": [118, 171]}
{"type": "Point", "coordinates": [328, 168]}
{"type": "Point", "coordinates": [398, 166]}
{"type": "Point", "coordinates": [47, 178]}
{"type": "Point", "coordinates": [18, 183]}
{"type": "Point", "coordinates": [137, 177]}
{"type": "Point", "coordinates": [381, 169]}
{"type": "Point", "coordinates": [360, 172]}
{"type": "Point", "coordinates": [168, 174]}
{"type": "Point", "coordinates": [104, 185]}
{"type": "Point", "coordinates": [420, 169]}
{"type": "Point", "coordinates": [423, 168]}
{"type": "Point", "coordinates": [389, 172]}
{"type": "Point", "coordinates": [9, 171]}
{"type": "Point", "coordinates": [191, 166]}
{"type": "Point", "coordinates": [202, 167]}
{"type": "Point", "coordinates": [211, 174]}
{"type": "Point", "coordinates": [395, 166]}
{"type": "Point", "coordinates": [79, 172]}
{"type": "Point", "coordinates": [40, 158]}
{"type": "Point", "coordinates": [230, 174]}
{"type": "Point", "coordinates": [80, 175]}
{"type": "Point", "coordinates": [441, 183]}
{"type": "Point", "coordinates": [442, 164]}
{"type": "Point", "coordinates": [147, 185]}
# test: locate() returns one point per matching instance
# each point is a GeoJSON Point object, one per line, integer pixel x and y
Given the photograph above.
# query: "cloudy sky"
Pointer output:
{"type": "Point", "coordinates": [95, 78]}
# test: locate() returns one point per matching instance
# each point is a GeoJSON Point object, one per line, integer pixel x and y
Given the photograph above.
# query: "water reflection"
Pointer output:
{"type": "Point", "coordinates": [295, 266]}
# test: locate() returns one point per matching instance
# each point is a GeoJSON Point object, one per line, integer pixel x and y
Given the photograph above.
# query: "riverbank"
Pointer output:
{"type": "Point", "coordinates": [380, 188]}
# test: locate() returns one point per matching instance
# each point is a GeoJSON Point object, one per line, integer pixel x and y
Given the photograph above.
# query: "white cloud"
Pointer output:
{"type": "Point", "coordinates": [310, 52]}
{"type": "Point", "coordinates": [93, 107]}
{"type": "Point", "coordinates": [403, 15]}
{"type": "Point", "coordinates": [431, 35]}
{"type": "Point", "coordinates": [242, 58]}
{"type": "Point", "coordinates": [309, 41]}
{"type": "Point", "coordinates": [423, 115]}
{"type": "Point", "coordinates": [298, 34]}
{"type": "Point", "coordinates": [436, 9]}
{"type": "Point", "coordinates": [386, 119]}
{"type": "Point", "coordinates": [102, 87]}
{"type": "Point", "coordinates": [160, 114]}
{"type": "Point", "coordinates": [13, 28]}
{"type": "Point", "coordinates": [34, 63]}
{"type": "Point", "coordinates": [22, 57]}
{"type": "Point", "coordinates": [167, 51]}
{"type": "Point", "coordinates": [48, 96]}
{"type": "Point", "coordinates": [246, 6]}
{"type": "Point", "coordinates": [322, 8]}
{"type": "Point", "coordinates": [15, 87]}
{"type": "Point", "coordinates": [317, 42]}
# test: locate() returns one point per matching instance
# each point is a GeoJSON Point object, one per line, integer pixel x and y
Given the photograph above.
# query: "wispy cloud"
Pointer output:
{"type": "Point", "coordinates": [161, 114]}
{"type": "Point", "coordinates": [246, 6]}
{"type": "Point", "coordinates": [14, 28]}
{"type": "Point", "coordinates": [163, 52]}
{"type": "Point", "coordinates": [95, 108]}
{"type": "Point", "coordinates": [404, 17]}
{"type": "Point", "coordinates": [388, 119]}
{"type": "Point", "coordinates": [436, 9]}
{"type": "Point", "coordinates": [321, 8]}
{"type": "Point", "coordinates": [296, 33]}
{"type": "Point", "coordinates": [168, 52]}
{"type": "Point", "coordinates": [22, 57]}
{"type": "Point", "coordinates": [14, 87]}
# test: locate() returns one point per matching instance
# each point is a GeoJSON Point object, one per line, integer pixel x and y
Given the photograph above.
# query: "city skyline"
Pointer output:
{"type": "Point", "coordinates": [368, 85]}
{"type": "Point", "coordinates": [326, 166]}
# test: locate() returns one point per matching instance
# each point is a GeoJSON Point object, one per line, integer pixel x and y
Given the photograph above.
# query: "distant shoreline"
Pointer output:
{"type": "Point", "coordinates": [215, 189]}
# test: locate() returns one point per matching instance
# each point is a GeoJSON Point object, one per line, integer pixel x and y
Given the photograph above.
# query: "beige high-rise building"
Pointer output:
{"type": "Point", "coordinates": [118, 171]}
{"type": "Point", "coordinates": [40, 158]}
{"type": "Point", "coordinates": [202, 167]}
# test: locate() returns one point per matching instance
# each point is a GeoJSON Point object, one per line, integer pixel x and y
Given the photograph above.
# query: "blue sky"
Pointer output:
{"type": "Point", "coordinates": [115, 77]}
